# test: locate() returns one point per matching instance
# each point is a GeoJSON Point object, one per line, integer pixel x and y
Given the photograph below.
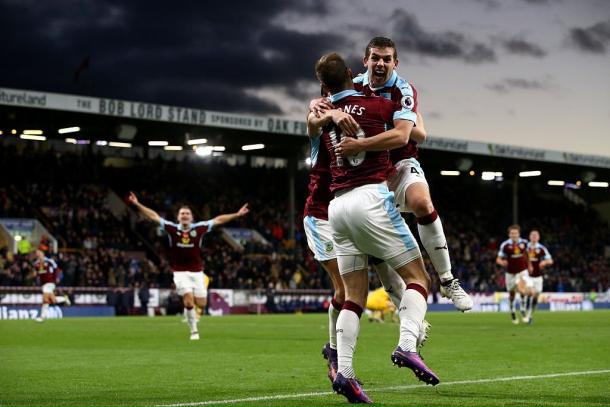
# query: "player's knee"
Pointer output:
{"type": "Point", "coordinates": [339, 296]}
{"type": "Point", "coordinates": [421, 206]}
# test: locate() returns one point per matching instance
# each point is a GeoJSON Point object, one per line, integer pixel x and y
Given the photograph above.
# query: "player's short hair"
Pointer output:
{"type": "Point", "coordinates": [380, 42]}
{"type": "Point", "coordinates": [185, 207]}
{"type": "Point", "coordinates": [515, 227]}
{"type": "Point", "coordinates": [332, 71]}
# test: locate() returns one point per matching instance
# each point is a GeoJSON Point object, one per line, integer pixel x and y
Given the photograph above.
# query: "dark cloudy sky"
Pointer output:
{"type": "Point", "coordinates": [522, 72]}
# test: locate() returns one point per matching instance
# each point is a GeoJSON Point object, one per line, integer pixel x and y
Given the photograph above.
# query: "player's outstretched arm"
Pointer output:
{"type": "Point", "coordinates": [147, 212]}
{"type": "Point", "coordinates": [388, 140]}
{"type": "Point", "coordinates": [419, 133]}
{"type": "Point", "coordinates": [228, 217]}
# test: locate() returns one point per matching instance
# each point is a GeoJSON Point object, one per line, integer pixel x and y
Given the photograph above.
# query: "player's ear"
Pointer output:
{"type": "Point", "coordinates": [396, 65]}
{"type": "Point", "coordinates": [350, 74]}
{"type": "Point", "coordinates": [365, 60]}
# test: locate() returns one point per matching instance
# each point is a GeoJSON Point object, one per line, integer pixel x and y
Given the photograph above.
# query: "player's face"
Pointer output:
{"type": "Point", "coordinates": [380, 64]}
{"type": "Point", "coordinates": [513, 234]}
{"type": "Point", "coordinates": [39, 254]}
{"type": "Point", "coordinates": [185, 216]}
{"type": "Point", "coordinates": [534, 236]}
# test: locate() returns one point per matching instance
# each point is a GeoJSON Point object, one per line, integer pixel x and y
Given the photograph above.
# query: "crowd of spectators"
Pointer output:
{"type": "Point", "coordinates": [68, 193]}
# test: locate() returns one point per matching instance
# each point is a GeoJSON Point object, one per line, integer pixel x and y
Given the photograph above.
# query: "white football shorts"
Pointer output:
{"type": "Point", "coordinates": [408, 172]}
{"type": "Point", "coordinates": [536, 283]}
{"type": "Point", "coordinates": [191, 282]}
{"type": "Point", "coordinates": [512, 280]}
{"type": "Point", "coordinates": [48, 288]}
{"type": "Point", "coordinates": [319, 238]}
{"type": "Point", "coordinates": [365, 221]}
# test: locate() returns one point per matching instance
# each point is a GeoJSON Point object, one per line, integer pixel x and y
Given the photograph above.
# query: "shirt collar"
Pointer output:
{"type": "Point", "coordinates": [343, 94]}
{"type": "Point", "coordinates": [388, 84]}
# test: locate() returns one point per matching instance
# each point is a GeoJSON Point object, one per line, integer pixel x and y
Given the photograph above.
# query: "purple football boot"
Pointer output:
{"type": "Point", "coordinates": [413, 361]}
{"type": "Point", "coordinates": [350, 388]}
{"type": "Point", "coordinates": [331, 357]}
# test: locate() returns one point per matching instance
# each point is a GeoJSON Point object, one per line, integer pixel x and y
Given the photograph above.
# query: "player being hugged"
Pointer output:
{"type": "Point", "coordinates": [185, 240]}
{"type": "Point", "coordinates": [365, 221]}
{"type": "Point", "coordinates": [48, 275]}
{"type": "Point", "coordinates": [540, 259]}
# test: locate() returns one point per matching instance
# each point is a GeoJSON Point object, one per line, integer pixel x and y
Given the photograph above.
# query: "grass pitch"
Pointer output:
{"type": "Point", "coordinates": [248, 360]}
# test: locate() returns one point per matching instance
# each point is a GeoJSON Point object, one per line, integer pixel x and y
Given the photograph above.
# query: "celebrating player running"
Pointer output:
{"type": "Point", "coordinates": [185, 240]}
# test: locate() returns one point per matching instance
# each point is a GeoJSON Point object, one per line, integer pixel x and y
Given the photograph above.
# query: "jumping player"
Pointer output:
{"type": "Point", "coordinates": [48, 275]}
{"type": "Point", "coordinates": [513, 257]}
{"type": "Point", "coordinates": [540, 259]}
{"type": "Point", "coordinates": [185, 240]}
{"type": "Point", "coordinates": [409, 183]}
{"type": "Point", "coordinates": [365, 221]}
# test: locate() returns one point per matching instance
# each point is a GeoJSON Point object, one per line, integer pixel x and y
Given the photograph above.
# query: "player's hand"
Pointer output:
{"type": "Point", "coordinates": [243, 210]}
{"type": "Point", "coordinates": [345, 122]}
{"type": "Point", "coordinates": [347, 147]}
{"type": "Point", "coordinates": [132, 198]}
{"type": "Point", "coordinates": [319, 106]}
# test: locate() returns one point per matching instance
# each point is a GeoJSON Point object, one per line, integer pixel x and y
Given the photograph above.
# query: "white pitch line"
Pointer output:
{"type": "Point", "coordinates": [393, 388]}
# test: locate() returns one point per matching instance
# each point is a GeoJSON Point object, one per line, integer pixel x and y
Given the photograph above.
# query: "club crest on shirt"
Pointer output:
{"type": "Point", "coordinates": [328, 247]}
{"type": "Point", "coordinates": [193, 233]}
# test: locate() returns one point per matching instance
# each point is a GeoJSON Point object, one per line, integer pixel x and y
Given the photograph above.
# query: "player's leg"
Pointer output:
{"type": "Point", "coordinates": [413, 195]}
{"type": "Point", "coordinates": [412, 313]}
{"type": "Point", "coordinates": [188, 300]}
{"type": "Point", "coordinates": [329, 352]}
{"type": "Point", "coordinates": [526, 301]}
{"type": "Point", "coordinates": [355, 280]}
{"type": "Point", "coordinates": [352, 265]}
{"type": "Point", "coordinates": [537, 283]}
{"type": "Point", "coordinates": [199, 297]}
{"type": "Point", "coordinates": [390, 279]}
{"type": "Point", "coordinates": [511, 287]}
{"type": "Point", "coordinates": [320, 242]}
{"type": "Point", "coordinates": [388, 237]}
{"type": "Point", "coordinates": [522, 289]}
{"type": "Point", "coordinates": [185, 287]}
{"type": "Point", "coordinates": [47, 299]}
{"type": "Point", "coordinates": [44, 309]}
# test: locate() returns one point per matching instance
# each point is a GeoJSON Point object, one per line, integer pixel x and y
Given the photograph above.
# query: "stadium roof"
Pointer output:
{"type": "Point", "coordinates": [140, 122]}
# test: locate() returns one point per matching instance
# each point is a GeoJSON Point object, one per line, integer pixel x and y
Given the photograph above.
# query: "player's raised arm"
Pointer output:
{"type": "Point", "coordinates": [228, 217]}
{"type": "Point", "coordinates": [147, 212]}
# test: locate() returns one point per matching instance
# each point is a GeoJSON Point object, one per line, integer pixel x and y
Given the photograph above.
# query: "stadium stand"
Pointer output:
{"type": "Point", "coordinates": [69, 192]}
